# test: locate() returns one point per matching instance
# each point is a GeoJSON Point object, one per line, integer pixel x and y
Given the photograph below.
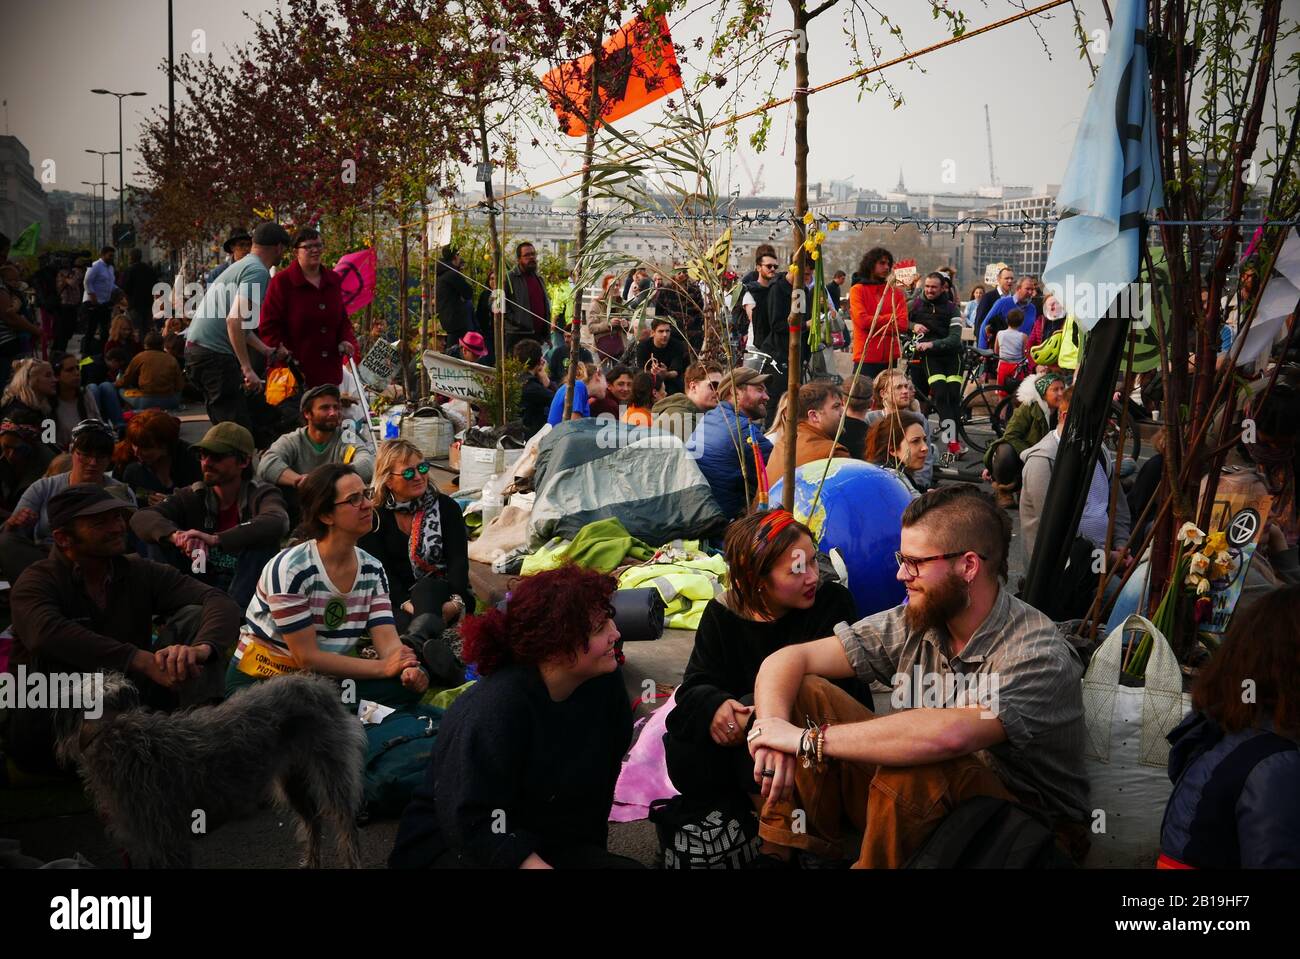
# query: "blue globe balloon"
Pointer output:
{"type": "Point", "coordinates": [859, 514]}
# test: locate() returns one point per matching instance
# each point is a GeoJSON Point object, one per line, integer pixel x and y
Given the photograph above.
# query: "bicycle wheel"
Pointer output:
{"type": "Point", "coordinates": [978, 426]}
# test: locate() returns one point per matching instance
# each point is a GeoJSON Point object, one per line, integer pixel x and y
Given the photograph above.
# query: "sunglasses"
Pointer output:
{"type": "Point", "coordinates": [408, 474]}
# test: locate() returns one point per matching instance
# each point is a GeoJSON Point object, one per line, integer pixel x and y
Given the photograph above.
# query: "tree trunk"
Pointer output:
{"type": "Point", "coordinates": [796, 322]}
{"type": "Point", "coordinates": [575, 326]}
{"type": "Point", "coordinates": [403, 319]}
{"type": "Point", "coordinates": [425, 311]}
{"type": "Point", "coordinates": [498, 331]}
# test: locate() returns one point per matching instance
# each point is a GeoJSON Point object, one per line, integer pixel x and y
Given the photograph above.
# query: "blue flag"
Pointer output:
{"type": "Point", "coordinates": [1112, 180]}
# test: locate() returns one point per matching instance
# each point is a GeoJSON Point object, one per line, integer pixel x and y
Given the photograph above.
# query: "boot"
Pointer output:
{"type": "Point", "coordinates": [1005, 494]}
{"type": "Point", "coordinates": [424, 635]}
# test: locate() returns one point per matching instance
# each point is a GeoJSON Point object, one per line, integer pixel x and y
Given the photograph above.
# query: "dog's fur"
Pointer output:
{"type": "Point", "coordinates": [289, 739]}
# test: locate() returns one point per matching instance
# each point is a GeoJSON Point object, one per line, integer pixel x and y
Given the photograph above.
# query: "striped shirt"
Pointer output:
{"type": "Point", "coordinates": [1018, 666]}
{"type": "Point", "coordinates": [294, 592]}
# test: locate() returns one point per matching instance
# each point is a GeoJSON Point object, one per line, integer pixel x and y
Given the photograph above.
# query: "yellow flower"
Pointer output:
{"type": "Point", "coordinates": [833, 225]}
{"type": "Point", "coordinates": [808, 217]}
{"type": "Point", "coordinates": [809, 245]}
{"type": "Point", "coordinates": [821, 237]}
{"type": "Point", "coordinates": [1216, 542]}
{"type": "Point", "coordinates": [816, 254]}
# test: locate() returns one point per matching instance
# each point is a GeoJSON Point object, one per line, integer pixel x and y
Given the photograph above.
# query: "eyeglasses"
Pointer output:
{"type": "Point", "coordinates": [408, 474]}
{"type": "Point", "coordinates": [911, 565]}
{"type": "Point", "coordinates": [714, 385]}
{"type": "Point", "coordinates": [213, 455]}
{"type": "Point", "coordinates": [767, 266]}
{"type": "Point", "coordinates": [356, 500]}
{"type": "Point", "coordinates": [312, 247]}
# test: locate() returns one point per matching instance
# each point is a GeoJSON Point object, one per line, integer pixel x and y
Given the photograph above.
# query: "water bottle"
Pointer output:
{"type": "Point", "coordinates": [492, 501]}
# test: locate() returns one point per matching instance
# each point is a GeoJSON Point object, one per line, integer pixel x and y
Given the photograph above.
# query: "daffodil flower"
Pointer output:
{"type": "Point", "coordinates": [808, 217]}
{"type": "Point", "coordinates": [1203, 587]}
{"type": "Point", "coordinates": [1199, 564]}
{"type": "Point", "coordinates": [1189, 533]}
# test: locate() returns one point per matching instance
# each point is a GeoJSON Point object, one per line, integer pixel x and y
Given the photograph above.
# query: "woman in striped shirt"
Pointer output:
{"type": "Point", "coordinates": [318, 599]}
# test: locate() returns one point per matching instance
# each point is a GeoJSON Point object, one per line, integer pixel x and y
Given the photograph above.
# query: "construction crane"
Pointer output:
{"type": "Point", "coordinates": [755, 182]}
{"type": "Point", "coordinates": [988, 132]}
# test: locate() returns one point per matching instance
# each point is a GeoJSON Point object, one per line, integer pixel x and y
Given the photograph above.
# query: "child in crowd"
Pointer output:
{"type": "Point", "coordinates": [1010, 345]}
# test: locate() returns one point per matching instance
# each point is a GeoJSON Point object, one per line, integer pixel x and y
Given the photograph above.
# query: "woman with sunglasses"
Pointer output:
{"type": "Point", "coordinates": [319, 599]}
{"type": "Point", "coordinates": [775, 598]}
{"type": "Point", "coordinates": [420, 539]}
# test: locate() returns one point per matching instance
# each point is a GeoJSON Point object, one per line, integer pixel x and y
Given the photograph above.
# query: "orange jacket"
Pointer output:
{"type": "Point", "coordinates": [880, 343]}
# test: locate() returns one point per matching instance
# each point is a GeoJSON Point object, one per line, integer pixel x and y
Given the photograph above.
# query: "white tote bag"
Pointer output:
{"type": "Point", "coordinates": [1126, 753]}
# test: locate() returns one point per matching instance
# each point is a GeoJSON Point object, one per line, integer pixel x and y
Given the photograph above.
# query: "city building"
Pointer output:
{"type": "Point", "coordinates": [22, 199]}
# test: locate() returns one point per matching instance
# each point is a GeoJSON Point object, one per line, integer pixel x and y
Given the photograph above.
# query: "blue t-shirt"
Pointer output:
{"type": "Point", "coordinates": [247, 278]}
{"type": "Point", "coordinates": [580, 404]}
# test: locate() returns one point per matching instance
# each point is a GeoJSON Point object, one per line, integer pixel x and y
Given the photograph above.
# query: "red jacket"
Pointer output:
{"type": "Point", "coordinates": [310, 322]}
{"type": "Point", "coordinates": [880, 343]}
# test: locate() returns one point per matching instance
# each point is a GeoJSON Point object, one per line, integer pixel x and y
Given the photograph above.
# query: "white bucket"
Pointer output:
{"type": "Point", "coordinates": [478, 465]}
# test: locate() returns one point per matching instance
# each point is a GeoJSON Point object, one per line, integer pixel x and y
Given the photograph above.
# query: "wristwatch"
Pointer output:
{"type": "Point", "coordinates": [458, 600]}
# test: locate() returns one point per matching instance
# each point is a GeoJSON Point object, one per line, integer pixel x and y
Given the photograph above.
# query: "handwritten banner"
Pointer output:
{"type": "Point", "coordinates": [449, 376]}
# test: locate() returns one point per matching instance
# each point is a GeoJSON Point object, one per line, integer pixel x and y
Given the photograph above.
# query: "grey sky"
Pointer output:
{"type": "Point", "coordinates": [59, 49]}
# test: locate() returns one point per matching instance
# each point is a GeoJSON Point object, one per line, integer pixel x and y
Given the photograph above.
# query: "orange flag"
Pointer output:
{"type": "Point", "coordinates": [636, 68]}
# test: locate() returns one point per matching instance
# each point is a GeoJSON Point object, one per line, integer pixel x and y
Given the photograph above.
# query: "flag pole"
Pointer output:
{"type": "Point", "coordinates": [1076, 456]}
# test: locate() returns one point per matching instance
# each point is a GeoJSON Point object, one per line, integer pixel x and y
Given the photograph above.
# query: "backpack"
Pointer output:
{"type": "Point", "coordinates": [398, 753]}
{"type": "Point", "coordinates": [989, 833]}
{"type": "Point", "coordinates": [705, 833]}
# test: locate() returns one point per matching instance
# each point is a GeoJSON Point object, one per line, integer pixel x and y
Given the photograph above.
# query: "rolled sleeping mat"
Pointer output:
{"type": "Point", "coordinates": [638, 614]}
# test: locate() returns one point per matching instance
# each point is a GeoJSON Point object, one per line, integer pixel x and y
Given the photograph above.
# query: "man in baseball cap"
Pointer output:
{"type": "Point", "coordinates": [723, 438]}
{"type": "Point", "coordinates": [222, 338]}
{"type": "Point", "coordinates": [28, 535]}
{"type": "Point", "coordinates": [231, 520]}
{"type": "Point", "coordinates": [89, 607]}
{"type": "Point", "coordinates": [321, 439]}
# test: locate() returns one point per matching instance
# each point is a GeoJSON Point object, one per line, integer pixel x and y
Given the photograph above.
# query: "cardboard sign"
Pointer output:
{"type": "Point", "coordinates": [449, 376]}
{"type": "Point", "coordinates": [905, 271]}
{"type": "Point", "coordinates": [380, 364]}
{"type": "Point", "coordinates": [991, 273]}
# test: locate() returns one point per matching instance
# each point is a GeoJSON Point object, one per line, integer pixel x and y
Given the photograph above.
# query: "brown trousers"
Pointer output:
{"type": "Point", "coordinates": [895, 808]}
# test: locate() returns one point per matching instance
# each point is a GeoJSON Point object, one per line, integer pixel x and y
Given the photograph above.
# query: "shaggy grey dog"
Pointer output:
{"type": "Point", "coordinates": [150, 773]}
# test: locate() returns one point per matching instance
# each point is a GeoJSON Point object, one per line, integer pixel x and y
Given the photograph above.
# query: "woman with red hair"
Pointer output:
{"type": "Point", "coordinates": [775, 598]}
{"type": "Point", "coordinates": [523, 772]}
{"type": "Point", "coordinates": [153, 460]}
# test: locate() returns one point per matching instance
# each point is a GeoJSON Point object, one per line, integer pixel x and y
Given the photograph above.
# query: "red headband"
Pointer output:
{"type": "Point", "coordinates": [779, 520]}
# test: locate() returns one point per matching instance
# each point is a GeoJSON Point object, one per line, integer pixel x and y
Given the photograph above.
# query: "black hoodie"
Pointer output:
{"type": "Point", "coordinates": [455, 299]}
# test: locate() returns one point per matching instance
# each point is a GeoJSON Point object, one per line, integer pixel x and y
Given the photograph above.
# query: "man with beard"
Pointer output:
{"type": "Point", "coordinates": [527, 307]}
{"type": "Point", "coordinates": [721, 443]}
{"type": "Point", "coordinates": [90, 607]}
{"type": "Point", "coordinates": [821, 405]}
{"type": "Point", "coordinates": [289, 459]}
{"type": "Point", "coordinates": [224, 529]}
{"type": "Point", "coordinates": [936, 370]}
{"type": "Point", "coordinates": [986, 694]}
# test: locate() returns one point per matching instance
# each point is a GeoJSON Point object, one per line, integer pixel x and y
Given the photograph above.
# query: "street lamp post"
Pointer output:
{"type": "Point", "coordinates": [121, 183]}
{"type": "Point", "coordinates": [94, 199]}
{"type": "Point", "coordinates": [103, 208]}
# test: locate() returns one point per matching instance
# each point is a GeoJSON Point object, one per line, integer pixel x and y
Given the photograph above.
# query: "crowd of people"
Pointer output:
{"type": "Point", "coordinates": [285, 541]}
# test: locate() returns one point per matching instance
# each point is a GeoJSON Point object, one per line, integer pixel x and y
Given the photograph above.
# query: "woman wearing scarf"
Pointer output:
{"type": "Point", "coordinates": [420, 540]}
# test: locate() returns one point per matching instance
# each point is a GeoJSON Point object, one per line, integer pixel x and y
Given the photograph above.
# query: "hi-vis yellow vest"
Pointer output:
{"type": "Point", "coordinates": [1071, 344]}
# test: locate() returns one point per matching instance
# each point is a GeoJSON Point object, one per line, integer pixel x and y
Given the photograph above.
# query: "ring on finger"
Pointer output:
{"type": "Point", "coordinates": [769, 773]}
